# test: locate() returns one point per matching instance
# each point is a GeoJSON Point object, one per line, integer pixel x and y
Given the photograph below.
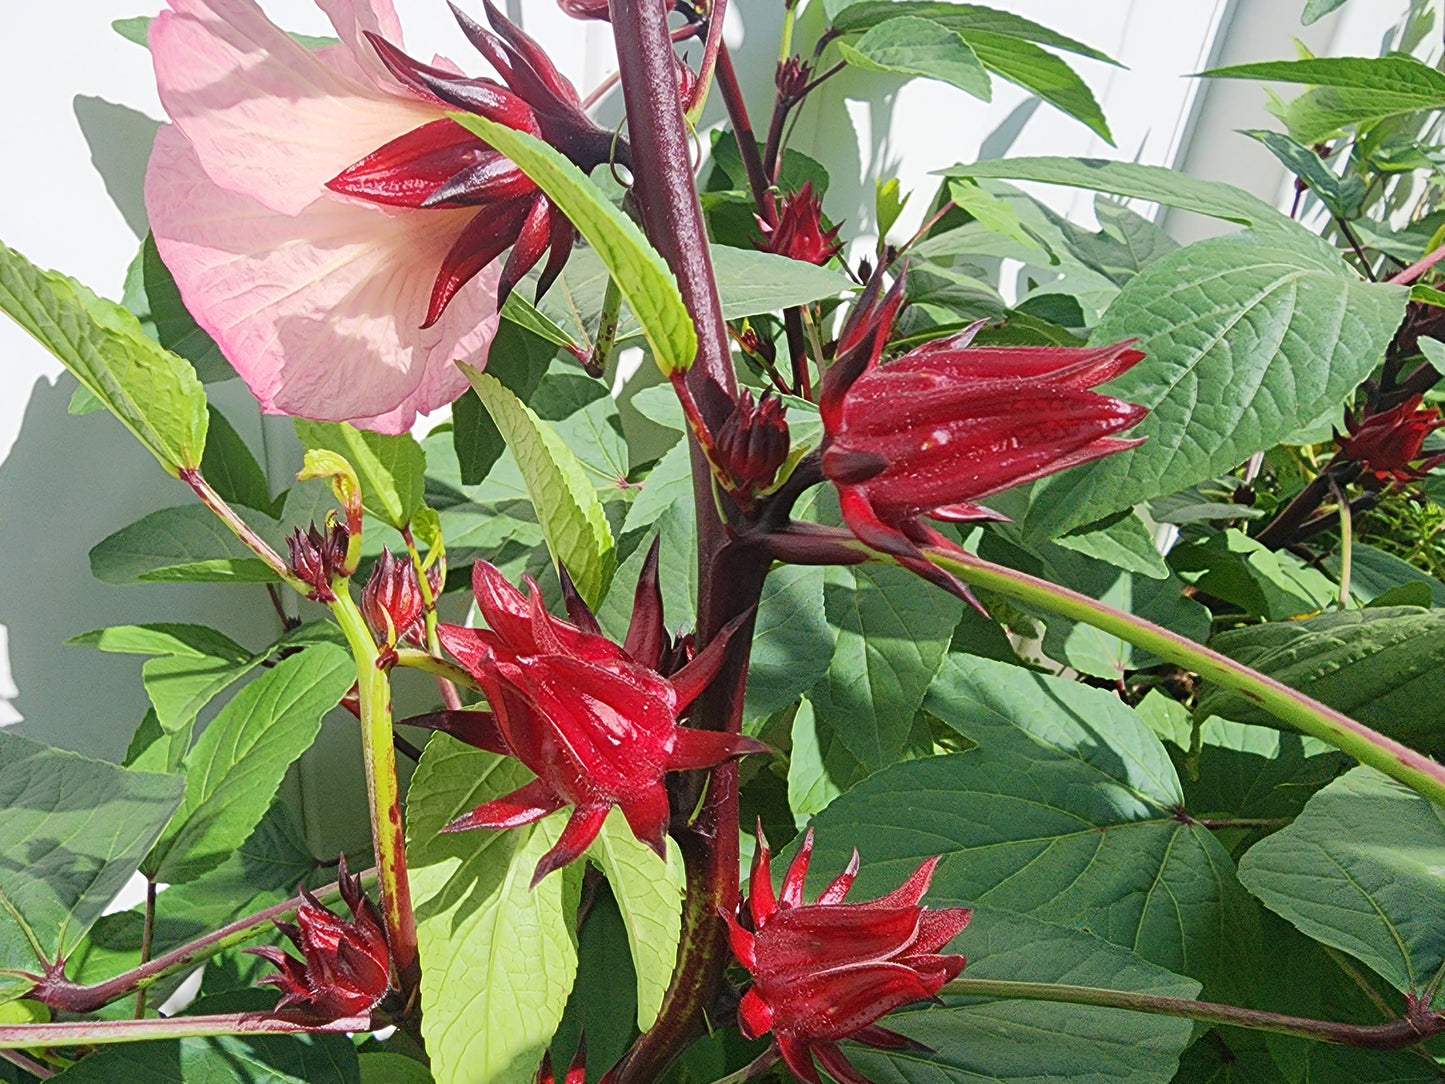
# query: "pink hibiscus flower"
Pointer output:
{"type": "Point", "coordinates": [326, 302]}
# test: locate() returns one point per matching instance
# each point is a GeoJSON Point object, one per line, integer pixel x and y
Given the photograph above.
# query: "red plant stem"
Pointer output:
{"type": "Point", "coordinates": [96, 1032]}
{"type": "Point", "coordinates": [693, 107]}
{"type": "Point", "coordinates": [727, 82]}
{"type": "Point", "coordinates": [30, 1065]}
{"type": "Point", "coordinates": [60, 993]}
{"type": "Point", "coordinates": [730, 578]}
{"type": "Point", "coordinates": [1418, 268]}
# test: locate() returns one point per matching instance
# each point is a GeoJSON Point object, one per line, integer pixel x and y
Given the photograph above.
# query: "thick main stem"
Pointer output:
{"type": "Point", "coordinates": [730, 580]}
{"type": "Point", "coordinates": [1309, 716]}
{"type": "Point", "coordinates": [1420, 1024]}
{"type": "Point", "coordinates": [383, 792]}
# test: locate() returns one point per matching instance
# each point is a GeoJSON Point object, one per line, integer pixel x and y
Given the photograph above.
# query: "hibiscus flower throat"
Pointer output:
{"type": "Point", "coordinates": [442, 165]}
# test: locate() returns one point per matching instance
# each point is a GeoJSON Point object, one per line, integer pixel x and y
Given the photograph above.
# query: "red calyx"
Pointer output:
{"type": "Point", "coordinates": [1386, 444]}
{"type": "Point", "coordinates": [392, 600]}
{"type": "Point", "coordinates": [442, 165]}
{"type": "Point", "coordinates": [949, 424]}
{"type": "Point", "coordinates": [799, 234]}
{"type": "Point", "coordinates": [345, 968]}
{"type": "Point", "coordinates": [318, 558]}
{"type": "Point", "coordinates": [596, 721]}
{"type": "Point", "coordinates": [753, 443]}
{"type": "Point", "coordinates": [828, 971]}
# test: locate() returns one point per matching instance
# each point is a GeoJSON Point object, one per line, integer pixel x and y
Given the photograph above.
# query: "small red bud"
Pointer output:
{"type": "Point", "coordinates": [799, 234]}
{"type": "Point", "coordinates": [753, 442]}
{"type": "Point", "coordinates": [1386, 444]}
{"type": "Point", "coordinates": [392, 600]}
{"type": "Point", "coordinates": [318, 558]}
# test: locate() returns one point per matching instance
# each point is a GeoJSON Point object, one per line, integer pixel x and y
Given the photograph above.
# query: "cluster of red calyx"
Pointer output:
{"type": "Point", "coordinates": [596, 721]}
{"type": "Point", "coordinates": [1388, 443]}
{"type": "Point", "coordinates": [441, 164]}
{"type": "Point", "coordinates": [948, 424]}
{"type": "Point", "coordinates": [392, 600]}
{"type": "Point", "coordinates": [828, 971]}
{"type": "Point", "coordinates": [799, 234]}
{"type": "Point", "coordinates": [319, 557]}
{"type": "Point", "coordinates": [753, 443]}
{"type": "Point", "coordinates": [346, 966]}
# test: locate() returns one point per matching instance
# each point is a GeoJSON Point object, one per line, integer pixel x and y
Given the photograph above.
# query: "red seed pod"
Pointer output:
{"type": "Point", "coordinates": [828, 971]}
{"type": "Point", "coordinates": [948, 424]}
{"type": "Point", "coordinates": [594, 720]}
{"type": "Point", "coordinates": [345, 968]}
{"type": "Point", "coordinates": [1386, 444]}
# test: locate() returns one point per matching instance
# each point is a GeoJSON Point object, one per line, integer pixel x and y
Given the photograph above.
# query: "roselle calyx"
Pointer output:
{"type": "Point", "coordinates": [828, 971]}
{"type": "Point", "coordinates": [320, 557]}
{"type": "Point", "coordinates": [1390, 444]}
{"type": "Point", "coordinates": [345, 969]}
{"type": "Point", "coordinates": [799, 234]}
{"type": "Point", "coordinates": [931, 433]}
{"type": "Point", "coordinates": [596, 721]}
{"type": "Point", "coordinates": [392, 601]}
{"type": "Point", "coordinates": [442, 165]}
{"type": "Point", "coordinates": [752, 443]}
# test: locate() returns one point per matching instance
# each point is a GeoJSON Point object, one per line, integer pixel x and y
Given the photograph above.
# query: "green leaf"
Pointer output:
{"type": "Point", "coordinates": [1373, 572]}
{"type": "Point", "coordinates": [529, 318]}
{"type": "Point", "coordinates": [1275, 586]}
{"type": "Point", "coordinates": [602, 1005]}
{"type": "Point", "coordinates": [232, 470]}
{"type": "Point", "coordinates": [913, 46]}
{"type": "Point", "coordinates": [961, 17]}
{"type": "Point", "coordinates": [1347, 90]}
{"type": "Point", "coordinates": [1025, 64]}
{"type": "Point", "coordinates": [151, 293]}
{"type": "Point", "coordinates": [819, 767]}
{"type": "Point", "coordinates": [792, 642]}
{"type": "Point", "coordinates": [1383, 666]}
{"type": "Point", "coordinates": [392, 469]}
{"type": "Point", "coordinates": [73, 830]}
{"type": "Point", "coordinates": [1132, 181]}
{"type": "Point", "coordinates": [888, 204]}
{"type": "Point", "coordinates": [1066, 811]}
{"type": "Point", "coordinates": [649, 895]}
{"type": "Point", "coordinates": [1246, 339]}
{"type": "Point", "coordinates": [1022, 1042]}
{"type": "Point", "coordinates": [1343, 196]}
{"type": "Point", "coordinates": [1361, 870]}
{"type": "Point", "coordinates": [893, 633]}
{"type": "Point", "coordinates": [232, 1059]}
{"type": "Point", "coordinates": [187, 544]}
{"type": "Point", "coordinates": [562, 493]}
{"type": "Point", "coordinates": [519, 360]}
{"type": "Point", "coordinates": [235, 769]}
{"type": "Point", "coordinates": [154, 393]}
{"type": "Point", "coordinates": [384, 1068]}
{"type": "Point", "coordinates": [1121, 540]}
{"type": "Point", "coordinates": [639, 272]}
{"type": "Point", "coordinates": [498, 958]}
{"type": "Point", "coordinates": [136, 29]}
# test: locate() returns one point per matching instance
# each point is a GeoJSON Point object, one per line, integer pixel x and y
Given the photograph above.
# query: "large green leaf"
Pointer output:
{"type": "Point", "coordinates": [235, 769]}
{"type": "Point", "coordinates": [392, 469]}
{"type": "Point", "coordinates": [893, 632]}
{"type": "Point", "coordinates": [1384, 667]}
{"type": "Point", "coordinates": [72, 831]}
{"type": "Point", "coordinates": [153, 392]}
{"type": "Point", "coordinates": [498, 958]}
{"type": "Point", "coordinates": [977, 1040]}
{"type": "Point", "coordinates": [1041, 72]}
{"type": "Point", "coordinates": [962, 17]}
{"type": "Point", "coordinates": [186, 544]}
{"type": "Point", "coordinates": [561, 490]}
{"type": "Point", "coordinates": [1342, 196]}
{"type": "Point", "coordinates": [649, 895]}
{"type": "Point", "coordinates": [1246, 340]}
{"type": "Point", "coordinates": [1347, 90]}
{"type": "Point", "coordinates": [639, 272]}
{"type": "Point", "coordinates": [232, 1059]}
{"type": "Point", "coordinates": [1068, 810]}
{"type": "Point", "coordinates": [1363, 870]}
{"type": "Point", "coordinates": [1133, 181]}
{"type": "Point", "coordinates": [519, 360]}
{"type": "Point", "coordinates": [792, 642]}
{"type": "Point", "coordinates": [913, 46]}
{"type": "Point", "coordinates": [151, 293]}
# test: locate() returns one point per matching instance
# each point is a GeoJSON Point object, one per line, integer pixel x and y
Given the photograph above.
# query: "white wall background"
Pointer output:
{"type": "Point", "coordinates": [80, 115]}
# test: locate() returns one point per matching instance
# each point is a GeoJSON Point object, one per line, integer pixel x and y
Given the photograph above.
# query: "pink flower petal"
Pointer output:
{"type": "Point", "coordinates": [355, 56]}
{"type": "Point", "coordinates": [269, 118]}
{"type": "Point", "coordinates": [321, 312]}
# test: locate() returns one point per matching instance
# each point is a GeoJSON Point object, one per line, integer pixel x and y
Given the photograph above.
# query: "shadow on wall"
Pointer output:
{"type": "Point", "coordinates": [120, 141]}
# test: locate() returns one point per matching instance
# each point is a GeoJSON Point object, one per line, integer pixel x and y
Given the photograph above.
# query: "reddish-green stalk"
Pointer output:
{"type": "Point", "coordinates": [730, 578]}
{"type": "Point", "coordinates": [96, 1032]}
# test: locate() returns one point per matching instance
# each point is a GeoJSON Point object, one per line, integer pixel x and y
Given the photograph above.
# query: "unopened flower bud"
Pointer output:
{"type": "Point", "coordinates": [799, 234]}
{"type": "Point", "coordinates": [753, 443]}
{"type": "Point", "coordinates": [392, 601]}
{"type": "Point", "coordinates": [317, 558]}
{"type": "Point", "coordinates": [1386, 444]}
{"type": "Point", "coordinates": [792, 77]}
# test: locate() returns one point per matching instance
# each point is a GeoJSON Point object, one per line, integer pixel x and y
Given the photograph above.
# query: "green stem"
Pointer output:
{"type": "Point", "coordinates": [383, 792]}
{"type": "Point", "coordinates": [240, 528]}
{"type": "Point", "coordinates": [434, 664]}
{"type": "Point", "coordinates": [98, 1032]}
{"type": "Point", "coordinates": [429, 616]}
{"type": "Point", "coordinates": [147, 939]}
{"type": "Point", "coordinates": [607, 325]}
{"type": "Point", "coordinates": [1304, 713]}
{"type": "Point", "coordinates": [1347, 542]}
{"type": "Point", "coordinates": [1416, 1026]}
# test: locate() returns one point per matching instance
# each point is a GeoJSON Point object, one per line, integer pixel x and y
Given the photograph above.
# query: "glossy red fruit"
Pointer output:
{"type": "Point", "coordinates": [345, 968]}
{"type": "Point", "coordinates": [828, 971]}
{"type": "Point", "coordinates": [948, 424]}
{"type": "Point", "coordinates": [595, 720]}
